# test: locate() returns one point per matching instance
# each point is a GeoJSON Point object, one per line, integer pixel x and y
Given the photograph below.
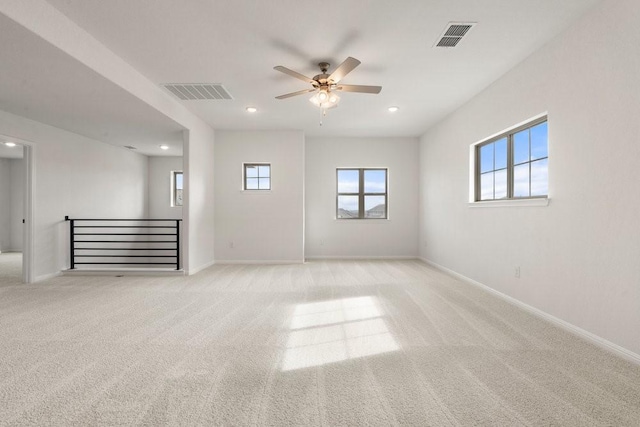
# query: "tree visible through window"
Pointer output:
{"type": "Point", "coordinates": [514, 165]}
{"type": "Point", "coordinates": [361, 193]}
{"type": "Point", "coordinates": [176, 188]}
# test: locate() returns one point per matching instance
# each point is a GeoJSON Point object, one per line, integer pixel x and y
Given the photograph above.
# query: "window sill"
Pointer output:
{"type": "Point", "coordinates": [541, 201]}
{"type": "Point", "coordinates": [255, 191]}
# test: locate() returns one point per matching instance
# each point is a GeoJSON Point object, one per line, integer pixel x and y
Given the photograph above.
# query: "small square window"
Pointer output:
{"type": "Point", "coordinates": [176, 188]}
{"type": "Point", "coordinates": [257, 176]}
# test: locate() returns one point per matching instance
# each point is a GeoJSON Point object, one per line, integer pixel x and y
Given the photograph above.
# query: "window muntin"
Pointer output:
{"type": "Point", "coordinates": [176, 188]}
{"type": "Point", "coordinates": [361, 193]}
{"type": "Point", "coordinates": [257, 176]}
{"type": "Point", "coordinates": [514, 165]}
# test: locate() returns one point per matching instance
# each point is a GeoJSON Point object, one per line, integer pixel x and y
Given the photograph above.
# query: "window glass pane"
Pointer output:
{"type": "Point", "coordinates": [375, 181]}
{"type": "Point", "coordinates": [540, 178]}
{"type": "Point", "coordinates": [486, 186]}
{"type": "Point", "coordinates": [501, 154]}
{"type": "Point", "coordinates": [348, 207]}
{"type": "Point", "coordinates": [486, 158]}
{"type": "Point", "coordinates": [539, 141]}
{"type": "Point", "coordinates": [179, 181]}
{"type": "Point", "coordinates": [348, 180]}
{"type": "Point", "coordinates": [374, 207]}
{"type": "Point", "coordinates": [521, 180]}
{"type": "Point", "coordinates": [264, 171]}
{"type": "Point", "coordinates": [251, 171]}
{"type": "Point", "coordinates": [521, 147]}
{"type": "Point", "coordinates": [500, 184]}
{"type": "Point", "coordinates": [264, 183]}
{"type": "Point", "coordinates": [252, 183]}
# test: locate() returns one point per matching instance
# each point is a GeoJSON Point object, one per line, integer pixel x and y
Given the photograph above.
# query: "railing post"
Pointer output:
{"type": "Point", "coordinates": [72, 243]}
{"type": "Point", "coordinates": [177, 244]}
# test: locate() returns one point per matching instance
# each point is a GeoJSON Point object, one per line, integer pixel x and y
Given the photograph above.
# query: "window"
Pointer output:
{"type": "Point", "coordinates": [513, 165]}
{"type": "Point", "coordinates": [176, 188]}
{"type": "Point", "coordinates": [257, 176]}
{"type": "Point", "coordinates": [362, 193]}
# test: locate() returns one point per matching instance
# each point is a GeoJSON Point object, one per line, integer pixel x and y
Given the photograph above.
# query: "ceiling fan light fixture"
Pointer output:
{"type": "Point", "coordinates": [251, 109]}
{"type": "Point", "coordinates": [325, 99]}
{"type": "Point", "coordinates": [393, 109]}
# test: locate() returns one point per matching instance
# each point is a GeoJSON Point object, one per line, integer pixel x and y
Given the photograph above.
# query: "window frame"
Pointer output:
{"type": "Point", "coordinates": [244, 176]}
{"type": "Point", "coordinates": [509, 135]}
{"type": "Point", "coordinates": [361, 193]}
{"type": "Point", "coordinates": [174, 188]}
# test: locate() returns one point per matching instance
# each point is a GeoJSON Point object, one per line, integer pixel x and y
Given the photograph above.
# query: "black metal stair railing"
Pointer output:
{"type": "Point", "coordinates": [124, 242]}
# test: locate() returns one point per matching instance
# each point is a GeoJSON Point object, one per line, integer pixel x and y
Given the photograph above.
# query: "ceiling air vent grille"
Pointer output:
{"type": "Point", "coordinates": [198, 91]}
{"type": "Point", "coordinates": [454, 32]}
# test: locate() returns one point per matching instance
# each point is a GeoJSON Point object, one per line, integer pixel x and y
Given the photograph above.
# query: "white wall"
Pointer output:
{"type": "Point", "coordinates": [263, 226]}
{"type": "Point", "coordinates": [328, 237]}
{"type": "Point", "coordinates": [160, 169]}
{"type": "Point", "coordinates": [79, 177]}
{"type": "Point", "coordinates": [579, 256]}
{"type": "Point", "coordinates": [199, 200]}
{"type": "Point", "coordinates": [5, 205]}
{"type": "Point", "coordinates": [17, 203]}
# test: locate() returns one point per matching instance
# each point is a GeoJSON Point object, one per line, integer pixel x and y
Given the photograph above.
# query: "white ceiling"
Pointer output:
{"type": "Point", "coordinates": [237, 43]}
{"type": "Point", "coordinates": [40, 82]}
{"type": "Point", "coordinates": [10, 152]}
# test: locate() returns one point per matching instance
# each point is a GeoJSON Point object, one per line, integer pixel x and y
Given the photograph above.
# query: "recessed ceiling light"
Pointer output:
{"type": "Point", "coordinates": [10, 144]}
{"type": "Point", "coordinates": [251, 109]}
{"type": "Point", "coordinates": [164, 147]}
{"type": "Point", "coordinates": [393, 109]}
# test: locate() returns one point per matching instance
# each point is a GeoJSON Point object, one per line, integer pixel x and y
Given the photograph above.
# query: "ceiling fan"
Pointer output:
{"type": "Point", "coordinates": [325, 85]}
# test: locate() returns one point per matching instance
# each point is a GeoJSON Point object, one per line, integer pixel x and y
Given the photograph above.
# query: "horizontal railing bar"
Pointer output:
{"type": "Point", "coordinates": [125, 249]}
{"type": "Point", "coordinates": [125, 234]}
{"type": "Point", "coordinates": [125, 241]}
{"type": "Point", "coordinates": [127, 263]}
{"type": "Point", "coordinates": [87, 219]}
{"type": "Point", "coordinates": [124, 226]}
{"type": "Point", "coordinates": [125, 256]}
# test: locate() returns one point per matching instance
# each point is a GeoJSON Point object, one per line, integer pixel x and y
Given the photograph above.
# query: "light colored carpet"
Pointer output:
{"type": "Point", "coordinates": [10, 268]}
{"type": "Point", "coordinates": [325, 343]}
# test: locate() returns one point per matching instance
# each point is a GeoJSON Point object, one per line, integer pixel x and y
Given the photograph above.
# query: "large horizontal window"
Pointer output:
{"type": "Point", "coordinates": [513, 165]}
{"type": "Point", "coordinates": [361, 193]}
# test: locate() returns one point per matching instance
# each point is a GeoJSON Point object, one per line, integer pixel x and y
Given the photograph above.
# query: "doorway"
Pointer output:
{"type": "Point", "coordinates": [16, 179]}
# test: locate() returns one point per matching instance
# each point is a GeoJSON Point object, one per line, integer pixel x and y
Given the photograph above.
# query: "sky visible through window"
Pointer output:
{"type": "Point", "coordinates": [530, 165]}
{"type": "Point", "coordinates": [375, 187]}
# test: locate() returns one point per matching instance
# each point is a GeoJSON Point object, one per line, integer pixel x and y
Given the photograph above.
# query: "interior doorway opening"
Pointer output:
{"type": "Point", "coordinates": [16, 180]}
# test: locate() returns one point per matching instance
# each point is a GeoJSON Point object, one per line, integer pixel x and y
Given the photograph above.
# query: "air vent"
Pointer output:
{"type": "Point", "coordinates": [130, 147]}
{"type": "Point", "coordinates": [454, 32]}
{"type": "Point", "coordinates": [197, 91]}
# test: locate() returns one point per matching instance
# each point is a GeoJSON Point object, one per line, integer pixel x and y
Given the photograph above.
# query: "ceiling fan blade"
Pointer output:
{"type": "Point", "coordinates": [343, 69]}
{"type": "Point", "coordinates": [359, 88]}
{"type": "Point", "coordinates": [289, 95]}
{"type": "Point", "coordinates": [295, 74]}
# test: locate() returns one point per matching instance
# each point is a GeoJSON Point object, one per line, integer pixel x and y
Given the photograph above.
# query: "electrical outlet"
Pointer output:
{"type": "Point", "coordinates": [518, 272]}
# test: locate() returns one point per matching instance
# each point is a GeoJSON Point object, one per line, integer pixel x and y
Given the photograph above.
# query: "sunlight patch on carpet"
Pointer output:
{"type": "Point", "coordinates": [336, 330]}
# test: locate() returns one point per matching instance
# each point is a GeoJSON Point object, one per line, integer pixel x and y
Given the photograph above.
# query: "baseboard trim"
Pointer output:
{"type": "Point", "coordinates": [258, 261]}
{"type": "Point", "coordinates": [569, 327]}
{"type": "Point", "coordinates": [339, 257]}
{"type": "Point", "coordinates": [123, 272]}
{"type": "Point", "coordinates": [193, 271]}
